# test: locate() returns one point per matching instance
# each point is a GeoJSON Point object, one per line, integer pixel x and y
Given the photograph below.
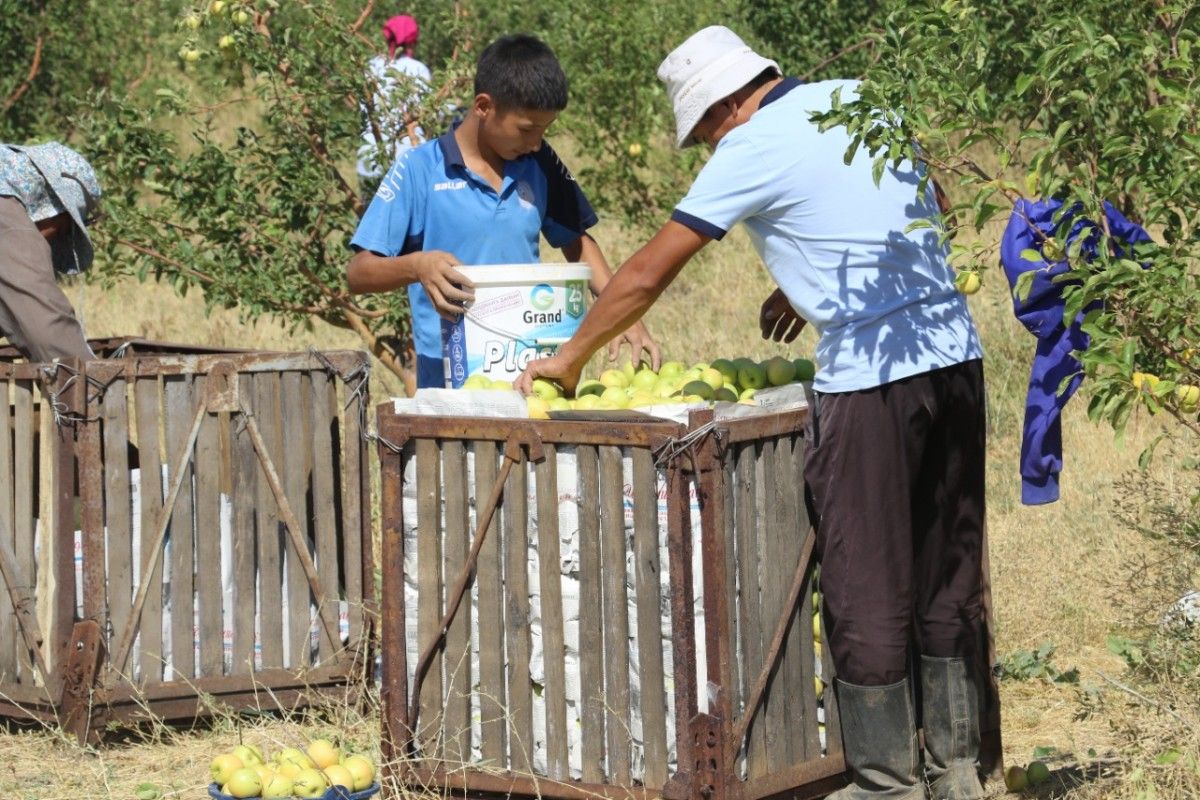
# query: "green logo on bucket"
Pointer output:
{"type": "Point", "coordinates": [575, 298]}
{"type": "Point", "coordinates": [542, 296]}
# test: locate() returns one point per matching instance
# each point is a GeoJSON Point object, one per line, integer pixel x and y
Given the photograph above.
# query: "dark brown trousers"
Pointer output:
{"type": "Point", "coordinates": [895, 482]}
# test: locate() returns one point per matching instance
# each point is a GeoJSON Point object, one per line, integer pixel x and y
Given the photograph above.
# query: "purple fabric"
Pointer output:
{"type": "Point", "coordinates": [1042, 314]}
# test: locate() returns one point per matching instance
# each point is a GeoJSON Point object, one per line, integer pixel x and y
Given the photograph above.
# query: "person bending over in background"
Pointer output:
{"type": "Point", "coordinates": [482, 193]}
{"type": "Point", "coordinates": [894, 451]}
{"type": "Point", "coordinates": [48, 194]}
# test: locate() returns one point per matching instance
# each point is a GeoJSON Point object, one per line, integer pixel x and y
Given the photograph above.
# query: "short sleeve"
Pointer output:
{"type": "Point", "coordinates": [735, 184]}
{"type": "Point", "coordinates": [394, 222]}
{"type": "Point", "coordinates": [568, 212]}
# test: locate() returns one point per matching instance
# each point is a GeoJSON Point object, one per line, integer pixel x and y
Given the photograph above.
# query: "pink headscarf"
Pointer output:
{"type": "Point", "coordinates": [401, 31]}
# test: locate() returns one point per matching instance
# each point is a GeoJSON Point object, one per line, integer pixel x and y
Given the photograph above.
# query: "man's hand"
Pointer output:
{"type": "Point", "coordinates": [555, 368]}
{"type": "Point", "coordinates": [447, 288]}
{"type": "Point", "coordinates": [639, 340]}
{"type": "Point", "coordinates": [778, 321]}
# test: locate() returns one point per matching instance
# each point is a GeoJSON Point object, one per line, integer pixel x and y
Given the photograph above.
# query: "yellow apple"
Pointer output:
{"type": "Point", "coordinates": [477, 381]}
{"type": "Point", "coordinates": [292, 755]}
{"type": "Point", "coordinates": [712, 377]}
{"type": "Point", "coordinates": [635, 149]}
{"type": "Point", "coordinates": [545, 389]}
{"type": "Point", "coordinates": [277, 786]}
{"type": "Point", "coordinates": [289, 770]}
{"type": "Point", "coordinates": [559, 404]}
{"type": "Point", "coordinates": [362, 769]}
{"type": "Point", "coordinates": [226, 42]}
{"type": "Point", "coordinates": [968, 282]}
{"type": "Point", "coordinates": [536, 408]}
{"type": "Point", "coordinates": [614, 377]}
{"type": "Point", "coordinates": [323, 753]}
{"type": "Point", "coordinates": [224, 766]}
{"type": "Point", "coordinates": [671, 369]}
{"type": "Point", "coordinates": [249, 754]}
{"type": "Point", "coordinates": [615, 395]}
{"type": "Point", "coordinates": [1188, 397]}
{"type": "Point", "coordinates": [244, 782]}
{"type": "Point", "coordinates": [217, 6]}
{"type": "Point", "coordinates": [241, 16]}
{"type": "Point", "coordinates": [309, 783]}
{"type": "Point", "coordinates": [644, 378]}
{"type": "Point", "coordinates": [192, 21]}
{"type": "Point", "coordinates": [338, 775]}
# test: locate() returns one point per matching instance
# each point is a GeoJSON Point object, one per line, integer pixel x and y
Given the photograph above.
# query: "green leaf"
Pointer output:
{"type": "Point", "coordinates": [1029, 254]}
{"type": "Point", "coordinates": [1023, 287]}
{"type": "Point", "coordinates": [1169, 756]}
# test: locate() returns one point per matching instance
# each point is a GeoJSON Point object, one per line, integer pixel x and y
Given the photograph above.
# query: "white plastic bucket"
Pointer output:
{"type": "Point", "coordinates": [520, 312]}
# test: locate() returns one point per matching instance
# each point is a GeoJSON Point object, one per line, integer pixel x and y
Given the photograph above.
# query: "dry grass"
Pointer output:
{"type": "Point", "coordinates": [1057, 570]}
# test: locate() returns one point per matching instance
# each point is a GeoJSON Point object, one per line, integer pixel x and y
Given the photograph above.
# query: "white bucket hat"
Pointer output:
{"type": "Point", "coordinates": [711, 65]}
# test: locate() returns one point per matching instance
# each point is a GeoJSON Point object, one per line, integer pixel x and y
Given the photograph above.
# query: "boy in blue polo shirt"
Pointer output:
{"type": "Point", "coordinates": [481, 194]}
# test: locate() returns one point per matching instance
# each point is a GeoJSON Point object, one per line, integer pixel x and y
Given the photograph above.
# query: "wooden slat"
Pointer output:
{"type": "Point", "coordinates": [8, 625]}
{"type": "Point", "coordinates": [792, 528]}
{"type": "Point", "coordinates": [117, 506]}
{"type": "Point", "coordinates": [325, 534]}
{"type": "Point", "coordinates": [517, 618]}
{"type": "Point", "coordinates": [293, 471]}
{"type": "Point", "coordinates": [429, 590]}
{"type": "Point", "coordinates": [209, 597]}
{"type": "Point", "coordinates": [649, 621]}
{"type": "Point", "coordinates": [352, 512]}
{"type": "Point", "coordinates": [48, 600]}
{"type": "Point", "coordinates": [265, 408]}
{"type": "Point", "coordinates": [457, 726]}
{"type": "Point", "coordinates": [553, 631]}
{"type": "Point", "coordinates": [180, 409]}
{"type": "Point", "coordinates": [148, 413]}
{"type": "Point", "coordinates": [591, 643]}
{"type": "Point", "coordinates": [803, 623]}
{"type": "Point", "coordinates": [615, 615]}
{"type": "Point", "coordinates": [773, 593]}
{"type": "Point", "coordinates": [244, 496]}
{"type": "Point", "coordinates": [24, 471]}
{"type": "Point", "coordinates": [492, 705]}
{"type": "Point", "coordinates": [750, 620]}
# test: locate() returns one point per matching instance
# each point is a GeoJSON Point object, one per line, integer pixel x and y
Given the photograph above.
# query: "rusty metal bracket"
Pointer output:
{"type": "Point", "coordinates": [221, 389]}
{"type": "Point", "coordinates": [708, 778]}
{"type": "Point", "coordinates": [82, 664]}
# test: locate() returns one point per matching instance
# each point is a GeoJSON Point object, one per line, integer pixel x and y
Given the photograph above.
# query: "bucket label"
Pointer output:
{"type": "Point", "coordinates": [575, 298]}
{"type": "Point", "coordinates": [509, 325]}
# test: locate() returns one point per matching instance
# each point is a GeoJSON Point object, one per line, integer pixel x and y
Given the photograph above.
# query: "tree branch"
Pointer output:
{"type": "Point", "coordinates": [870, 42]}
{"type": "Point", "coordinates": [34, 68]}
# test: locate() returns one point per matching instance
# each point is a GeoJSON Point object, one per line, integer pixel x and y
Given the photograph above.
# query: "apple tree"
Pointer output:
{"type": "Point", "coordinates": [1087, 103]}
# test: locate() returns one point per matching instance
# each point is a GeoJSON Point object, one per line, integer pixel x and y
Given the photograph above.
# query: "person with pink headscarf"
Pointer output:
{"type": "Point", "coordinates": [399, 68]}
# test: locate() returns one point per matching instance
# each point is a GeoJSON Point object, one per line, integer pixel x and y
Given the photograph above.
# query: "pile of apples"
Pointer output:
{"type": "Point", "coordinates": [727, 380]}
{"type": "Point", "coordinates": [246, 772]}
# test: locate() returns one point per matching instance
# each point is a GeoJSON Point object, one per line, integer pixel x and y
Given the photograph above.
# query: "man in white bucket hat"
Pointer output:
{"type": "Point", "coordinates": [48, 196]}
{"type": "Point", "coordinates": [894, 451]}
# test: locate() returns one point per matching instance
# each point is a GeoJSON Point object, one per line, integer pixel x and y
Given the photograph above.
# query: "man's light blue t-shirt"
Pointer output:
{"type": "Point", "coordinates": [430, 200]}
{"type": "Point", "coordinates": [882, 301]}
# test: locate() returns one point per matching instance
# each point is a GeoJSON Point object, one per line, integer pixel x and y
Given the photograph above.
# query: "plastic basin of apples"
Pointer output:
{"type": "Point", "coordinates": [332, 793]}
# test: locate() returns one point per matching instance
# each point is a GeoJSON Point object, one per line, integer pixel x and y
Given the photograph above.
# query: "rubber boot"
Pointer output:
{"type": "Point", "coordinates": [879, 735]}
{"type": "Point", "coordinates": [950, 706]}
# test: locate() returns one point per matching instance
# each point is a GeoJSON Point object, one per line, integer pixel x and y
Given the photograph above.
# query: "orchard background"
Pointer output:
{"type": "Point", "coordinates": [226, 143]}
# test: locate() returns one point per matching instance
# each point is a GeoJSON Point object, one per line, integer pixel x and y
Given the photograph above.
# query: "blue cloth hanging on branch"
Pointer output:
{"type": "Point", "coordinates": [1042, 314]}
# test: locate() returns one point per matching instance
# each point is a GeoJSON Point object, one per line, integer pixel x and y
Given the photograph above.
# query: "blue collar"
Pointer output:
{"type": "Point", "coordinates": [450, 149]}
{"type": "Point", "coordinates": [779, 90]}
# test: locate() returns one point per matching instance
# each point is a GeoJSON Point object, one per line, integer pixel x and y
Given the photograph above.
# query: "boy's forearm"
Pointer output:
{"type": "Point", "coordinates": [368, 273]}
{"type": "Point", "coordinates": [586, 249]}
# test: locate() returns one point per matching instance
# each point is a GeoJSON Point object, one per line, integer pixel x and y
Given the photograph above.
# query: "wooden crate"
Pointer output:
{"type": "Point", "coordinates": [206, 492]}
{"type": "Point", "coordinates": [734, 712]}
{"type": "Point", "coordinates": [745, 475]}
